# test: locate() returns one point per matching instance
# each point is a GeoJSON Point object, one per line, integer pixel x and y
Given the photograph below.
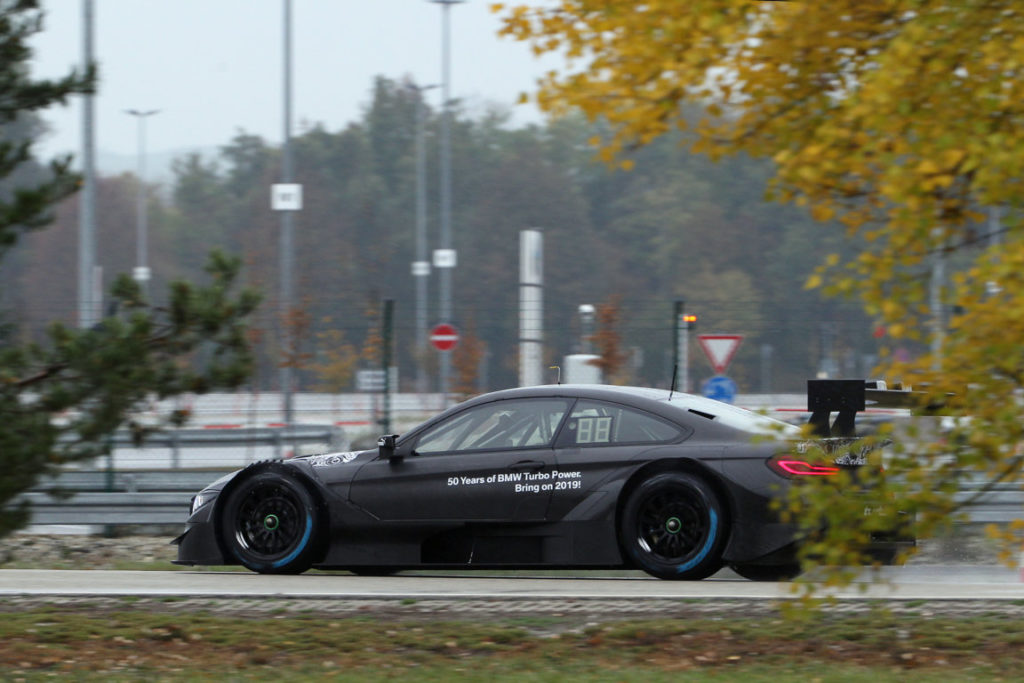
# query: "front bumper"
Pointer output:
{"type": "Point", "coordinates": [198, 544]}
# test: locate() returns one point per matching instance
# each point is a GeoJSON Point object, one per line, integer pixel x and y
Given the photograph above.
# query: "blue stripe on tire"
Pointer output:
{"type": "Point", "coordinates": [699, 557]}
{"type": "Point", "coordinates": [299, 548]}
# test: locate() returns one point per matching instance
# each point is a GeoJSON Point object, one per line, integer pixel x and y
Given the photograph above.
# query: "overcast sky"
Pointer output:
{"type": "Point", "coordinates": [213, 67]}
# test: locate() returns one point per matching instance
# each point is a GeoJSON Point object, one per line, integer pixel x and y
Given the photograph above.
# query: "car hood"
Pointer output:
{"type": "Point", "coordinates": [341, 459]}
{"type": "Point", "coordinates": [322, 463]}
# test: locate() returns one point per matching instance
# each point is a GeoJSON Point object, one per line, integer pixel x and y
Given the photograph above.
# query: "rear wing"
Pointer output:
{"type": "Point", "coordinates": [847, 397]}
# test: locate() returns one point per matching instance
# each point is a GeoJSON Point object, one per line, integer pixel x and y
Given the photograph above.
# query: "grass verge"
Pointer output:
{"type": "Point", "coordinates": [128, 643]}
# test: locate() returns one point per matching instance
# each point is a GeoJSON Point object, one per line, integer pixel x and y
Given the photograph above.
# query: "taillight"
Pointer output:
{"type": "Point", "coordinates": [789, 466]}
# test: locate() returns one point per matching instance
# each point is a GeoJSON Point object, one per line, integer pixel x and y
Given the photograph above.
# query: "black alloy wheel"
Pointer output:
{"type": "Point", "coordinates": [674, 527]}
{"type": "Point", "coordinates": [269, 523]}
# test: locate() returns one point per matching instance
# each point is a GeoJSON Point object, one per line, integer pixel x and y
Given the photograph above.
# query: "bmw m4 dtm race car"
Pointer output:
{"type": "Point", "coordinates": [561, 476]}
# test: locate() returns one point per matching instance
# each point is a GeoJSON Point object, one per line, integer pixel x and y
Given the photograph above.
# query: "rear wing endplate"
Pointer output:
{"type": "Point", "coordinates": [847, 397]}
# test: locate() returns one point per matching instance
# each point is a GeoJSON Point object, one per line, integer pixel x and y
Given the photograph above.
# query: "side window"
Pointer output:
{"type": "Point", "coordinates": [523, 423]}
{"type": "Point", "coordinates": [594, 423]}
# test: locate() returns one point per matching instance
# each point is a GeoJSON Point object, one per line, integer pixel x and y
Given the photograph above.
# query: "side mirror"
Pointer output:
{"type": "Point", "coordinates": [386, 446]}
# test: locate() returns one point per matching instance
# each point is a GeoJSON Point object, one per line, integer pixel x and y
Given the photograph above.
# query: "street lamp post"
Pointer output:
{"type": "Point", "coordinates": [287, 246]}
{"type": "Point", "coordinates": [141, 273]}
{"type": "Point", "coordinates": [421, 266]}
{"type": "Point", "coordinates": [88, 292]}
{"type": "Point", "coordinates": [445, 260]}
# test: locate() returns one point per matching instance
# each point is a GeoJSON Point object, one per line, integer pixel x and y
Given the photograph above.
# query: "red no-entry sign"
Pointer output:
{"type": "Point", "coordinates": [444, 337]}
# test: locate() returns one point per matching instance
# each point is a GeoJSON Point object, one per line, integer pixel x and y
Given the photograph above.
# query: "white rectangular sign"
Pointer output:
{"type": "Point", "coordinates": [445, 258]}
{"type": "Point", "coordinates": [286, 197]}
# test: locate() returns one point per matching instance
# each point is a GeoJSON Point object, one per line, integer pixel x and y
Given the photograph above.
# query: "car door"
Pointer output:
{"type": "Point", "coordinates": [490, 462]}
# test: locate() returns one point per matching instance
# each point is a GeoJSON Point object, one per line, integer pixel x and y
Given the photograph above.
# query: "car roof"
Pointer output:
{"type": "Point", "coordinates": [609, 390]}
{"type": "Point", "coordinates": [675, 405]}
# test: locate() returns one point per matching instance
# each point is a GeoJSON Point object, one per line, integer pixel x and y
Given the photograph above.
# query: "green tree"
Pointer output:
{"type": "Point", "coordinates": [61, 397]}
{"type": "Point", "coordinates": [336, 361]}
{"type": "Point", "coordinates": [677, 226]}
{"type": "Point", "coordinates": [899, 119]}
{"type": "Point", "coordinates": [199, 221]}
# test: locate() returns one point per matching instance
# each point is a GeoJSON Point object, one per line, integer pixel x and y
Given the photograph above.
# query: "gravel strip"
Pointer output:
{"type": "Point", "coordinates": [433, 609]}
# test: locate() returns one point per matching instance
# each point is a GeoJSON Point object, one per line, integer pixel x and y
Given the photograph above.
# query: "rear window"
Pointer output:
{"type": "Point", "coordinates": [596, 423]}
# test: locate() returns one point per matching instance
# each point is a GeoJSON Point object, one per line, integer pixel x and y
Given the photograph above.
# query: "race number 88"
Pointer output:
{"type": "Point", "coordinates": [594, 430]}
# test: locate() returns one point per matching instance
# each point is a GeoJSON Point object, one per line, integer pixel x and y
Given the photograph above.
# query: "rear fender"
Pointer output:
{"type": "Point", "coordinates": [681, 464]}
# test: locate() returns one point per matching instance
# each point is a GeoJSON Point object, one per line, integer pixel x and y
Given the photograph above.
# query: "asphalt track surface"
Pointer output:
{"type": "Point", "coordinates": [909, 583]}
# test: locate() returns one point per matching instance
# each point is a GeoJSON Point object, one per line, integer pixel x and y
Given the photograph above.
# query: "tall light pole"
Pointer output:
{"type": "Point", "coordinates": [141, 272]}
{"type": "Point", "coordinates": [421, 266]}
{"type": "Point", "coordinates": [287, 255]}
{"type": "Point", "coordinates": [88, 300]}
{"type": "Point", "coordinates": [444, 257]}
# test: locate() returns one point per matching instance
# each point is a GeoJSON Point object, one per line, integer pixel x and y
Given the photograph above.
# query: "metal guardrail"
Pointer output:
{"type": "Point", "coordinates": [163, 496]}
{"type": "Point", "coordinates": [279, 439]}
{"type": "Point", "coordinates": [117, 498]}
{"type": "Point", "coordinates": [266, 436]}
{"type": "Point", "coordinates": [1002, 504]}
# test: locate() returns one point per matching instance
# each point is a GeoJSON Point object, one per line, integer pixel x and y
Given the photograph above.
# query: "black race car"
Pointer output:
{"type": "Point", "coordinates": [584, 476]}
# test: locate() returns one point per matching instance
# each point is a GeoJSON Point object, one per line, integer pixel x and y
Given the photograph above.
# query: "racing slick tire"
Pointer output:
{"type": "Point", "coordinates": [673, 526]}
{"type": "Point", "coordinates": [270, 522]}
{"type": "Point", "coordinates": [768, 572]}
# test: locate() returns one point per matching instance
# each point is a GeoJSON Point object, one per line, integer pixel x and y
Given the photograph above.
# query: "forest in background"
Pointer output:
{"type": "Point", "coordinates": [677, 226]}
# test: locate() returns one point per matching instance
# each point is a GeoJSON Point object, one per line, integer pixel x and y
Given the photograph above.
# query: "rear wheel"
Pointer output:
{"type": "Point", "coordinates": [673, 527]}
{"type": "Point", "coordinates": [268, 522]}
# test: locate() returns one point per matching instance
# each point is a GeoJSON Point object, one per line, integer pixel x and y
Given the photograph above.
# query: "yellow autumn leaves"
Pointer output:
{"type": "Point", "coordinates": [902, 120]}
{"type": "Point", "coordinates": [897, 118]}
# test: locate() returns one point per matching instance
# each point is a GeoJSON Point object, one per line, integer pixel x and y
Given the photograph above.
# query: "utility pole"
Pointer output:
{"type": "Point", "coordinates": [287, 248]}
{"type": "Point", "coordinates": [681, 344]}
{"type": "Point", "coordinates": [88, 299]}
{"type": "Point", "coordinates": [421, 266]}
{"type": "Point", "coordinates": [386, 334]}
{"type": "Point", "coordinates": [444, 257]}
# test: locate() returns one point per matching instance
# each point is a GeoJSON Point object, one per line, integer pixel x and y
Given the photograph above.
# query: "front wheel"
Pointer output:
{"type": "Point", "coordinates": [269, 523]}
{"type": "Point", "coordinates": [673, 526]}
